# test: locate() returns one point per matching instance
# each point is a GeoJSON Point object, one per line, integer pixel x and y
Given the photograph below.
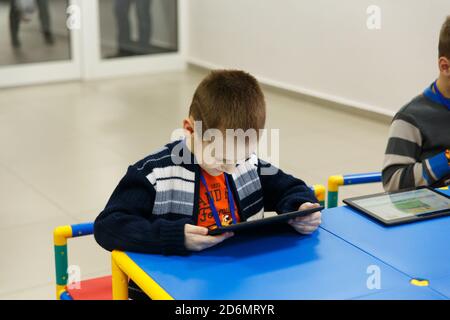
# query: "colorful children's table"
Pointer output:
{"type": "Point", "coordinates": [420, 250]}
{"type": "Point", "coordinates": [349, 257]}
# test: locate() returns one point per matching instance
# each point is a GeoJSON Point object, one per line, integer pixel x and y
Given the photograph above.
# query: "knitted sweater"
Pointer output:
{"type": "Point", "coordinates": [418, 138]}
{"type": "Point", "coordinates": [159, 195]}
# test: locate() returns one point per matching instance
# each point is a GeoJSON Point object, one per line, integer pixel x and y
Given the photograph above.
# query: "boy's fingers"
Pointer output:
{"type": "Point", "coordinates": [196, 229]}
{"type": "Point", "coordinates": [208, 241]}
{"type": "Point", "coordinates": [307, 223]}
{"type": "Point", "coordinates": [306, 229]}
{"type": "Point", "coordinates": [200, 242]}
{"type": "Point", "coordinates": [311, 217]}
{"type": "Point", "coordinates": [307, 205]}
{"type": "Point", "coordinates": [219, 238]}
{"type": "Point", "coordinates": [313, 223]}
{"type": "Point", "coordinates": [314, 205]}
{"type": "Point", "coordinates": [224, 236]}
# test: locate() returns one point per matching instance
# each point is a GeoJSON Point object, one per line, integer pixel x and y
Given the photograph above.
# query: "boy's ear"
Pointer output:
{"type": "Point", "coordinates": [444, 66]}
{"type": "Point", "coordinates": [188, 126]}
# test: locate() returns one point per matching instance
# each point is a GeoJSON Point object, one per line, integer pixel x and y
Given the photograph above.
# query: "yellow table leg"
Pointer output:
{"type": "Point", "coordinates": [123, 268]}
{"type": "Point", "coordinates": [119, 282]}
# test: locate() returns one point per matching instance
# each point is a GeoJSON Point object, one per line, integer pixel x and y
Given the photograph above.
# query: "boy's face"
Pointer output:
{"type": "Point", "coordinates": [214, 156]}
{"type": "Point", "coordinates": [219, 160]}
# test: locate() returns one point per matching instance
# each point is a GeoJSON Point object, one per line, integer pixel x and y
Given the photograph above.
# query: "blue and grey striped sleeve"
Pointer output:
{"type": "Point", "coordinates": [403, 167]}
{"type": "Point", "coordinates": [126, 223]}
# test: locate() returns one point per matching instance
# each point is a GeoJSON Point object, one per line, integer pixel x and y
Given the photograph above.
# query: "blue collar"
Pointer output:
{"type": "Point", "coordinates": [433, 93]}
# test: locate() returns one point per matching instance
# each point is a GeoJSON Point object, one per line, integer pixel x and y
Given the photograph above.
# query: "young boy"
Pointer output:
{"type": "Point", "coordinates": [418, 152]}
{"type": "Point", "coordinates": [167, 202]}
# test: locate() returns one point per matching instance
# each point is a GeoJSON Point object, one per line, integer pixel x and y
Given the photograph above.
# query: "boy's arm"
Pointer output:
{"type": "Point", "coordinates": [281, 191]}
{"type": "Point", "coordinates": [126, 224]}
{"type": "Point", "coordinates": [402, 166]}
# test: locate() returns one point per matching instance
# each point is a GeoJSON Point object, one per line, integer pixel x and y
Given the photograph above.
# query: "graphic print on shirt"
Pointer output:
{"type": "Point", "coordinates": [218, 190]}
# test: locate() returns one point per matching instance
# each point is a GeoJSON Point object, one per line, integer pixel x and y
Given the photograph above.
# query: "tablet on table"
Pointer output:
{"type": "Point", "coordinates": [398, 207]}
{"type": "Point", "coordinates": [254, 224]}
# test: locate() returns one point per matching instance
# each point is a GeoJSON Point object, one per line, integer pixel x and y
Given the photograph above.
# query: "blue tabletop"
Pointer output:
{"type": "Point", "coordinates": [420, 249]}
{"type": "Point", "coordinates": [441, 285]}
{"type": "Point", "coordinates": [282, 265]}
{"type": "Point", "coordinates": [407, 292]}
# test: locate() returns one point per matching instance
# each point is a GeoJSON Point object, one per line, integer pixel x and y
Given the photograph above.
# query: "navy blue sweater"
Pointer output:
{"type": "Point", "coordinates": [159, 195]}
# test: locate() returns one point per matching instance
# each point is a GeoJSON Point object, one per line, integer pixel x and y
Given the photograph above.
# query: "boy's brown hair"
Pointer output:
{"type": "Point", "coordinates": [444, 39]}
{"type": "Point", "coordinates": [229, 99]}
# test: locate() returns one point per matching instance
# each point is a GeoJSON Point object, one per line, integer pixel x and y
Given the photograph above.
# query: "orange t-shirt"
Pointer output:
{"type": "Point", "coordinates": [218, 189]}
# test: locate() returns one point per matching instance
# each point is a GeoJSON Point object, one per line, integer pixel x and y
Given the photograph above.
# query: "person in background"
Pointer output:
{"type": "Point", "coordinates": [126, 46]}
{"type": "Point", "coordinates": [418, 149]}
{"type": "Point", "coordinates": [17, 14]}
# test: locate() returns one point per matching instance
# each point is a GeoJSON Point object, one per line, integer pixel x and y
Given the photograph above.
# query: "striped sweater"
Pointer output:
{"type": "Point", "coordinates": [418, 137]}
{"type": "Point", "coordinates": [159, 195]}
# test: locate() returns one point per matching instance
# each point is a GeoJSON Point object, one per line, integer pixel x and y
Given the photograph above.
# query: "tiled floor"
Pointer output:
{"type": "Point", "coordinates": [65, 146]}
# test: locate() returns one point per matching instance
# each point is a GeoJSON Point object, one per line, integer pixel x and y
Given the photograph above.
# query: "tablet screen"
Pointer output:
{"type": "Point", "coordinates": [404, 204]}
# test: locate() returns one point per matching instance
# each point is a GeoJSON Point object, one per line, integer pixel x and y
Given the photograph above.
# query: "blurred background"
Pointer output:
{"type": "Point", "coordinates": [88, 87]}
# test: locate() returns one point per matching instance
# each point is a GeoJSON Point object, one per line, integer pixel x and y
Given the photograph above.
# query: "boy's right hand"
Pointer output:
{"type": "Point", "coordinates": [196, 238]}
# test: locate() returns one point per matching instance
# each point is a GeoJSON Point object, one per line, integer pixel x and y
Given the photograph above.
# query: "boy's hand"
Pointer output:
{"type": "Point", "coordinates": [307, 224]}
{"type": "Point", "coordinates": [196, 238]}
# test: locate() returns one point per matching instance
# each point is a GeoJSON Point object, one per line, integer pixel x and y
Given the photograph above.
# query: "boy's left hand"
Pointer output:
{"type": "Point", "coordinates": [307, 224]}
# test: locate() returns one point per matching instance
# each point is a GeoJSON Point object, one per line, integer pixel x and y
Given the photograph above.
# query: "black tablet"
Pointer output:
{"type": "Point", "coordinates": [284, 217]}
{"type": "Point", "coordinates": [404, 206]}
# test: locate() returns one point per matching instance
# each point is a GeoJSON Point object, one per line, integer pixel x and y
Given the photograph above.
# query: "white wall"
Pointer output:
{"type": "Point", "coordinates": [323, 47]}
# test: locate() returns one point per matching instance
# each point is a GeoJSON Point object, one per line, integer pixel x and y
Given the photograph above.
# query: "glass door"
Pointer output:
{"type": "Point", "coordinates": [54, 40]}
{"type": "Point", "coordinates": [133, 36]}
{"type": "Point", "coordinates": [39, 41]}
